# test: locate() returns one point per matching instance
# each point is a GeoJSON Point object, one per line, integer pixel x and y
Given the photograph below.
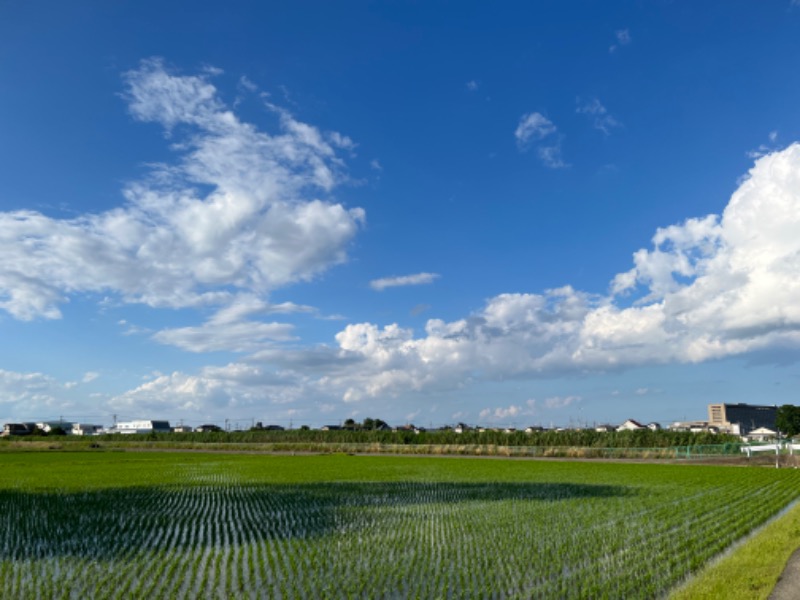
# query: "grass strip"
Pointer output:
{"type": "Point", "coordinates": [750, 571]}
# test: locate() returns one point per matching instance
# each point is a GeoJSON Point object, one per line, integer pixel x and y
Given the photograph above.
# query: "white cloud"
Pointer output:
{"type": "Point", "coordinates": [551, 156]}
{"type": "Point", "coordinates": [601, 120]}
{"type": "Point", "coordinates": [403, 280]}
{"type": "Point", "coordinates": [259, 223]}
{"type": "Point", "coordinates": [90, 376]}
{"type": "Point", "coordinates": [242, 336]}
{"type": "Point", "coordinates": [557, 402]}
{"type": "Point", "coordinates": [623, 37]}
{"type": "Point", "coordinates": [235, 385]}
{"type": "Point", "coordinates": [533, 127]}
{"type": "Point", "coordinates": [711, 287]}
{"type": "Point", "coordinates": [764, 149]}
{"type": "Point", "coordinates": [472, 85]}
{"type": "Point", "coordinates": [32, 395]}
{"type": "Point", "coordinates": [502, 413]}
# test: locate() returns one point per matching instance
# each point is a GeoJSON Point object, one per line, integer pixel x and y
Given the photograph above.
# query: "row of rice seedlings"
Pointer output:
{"type": "Point", "coordinates": [221, 538]}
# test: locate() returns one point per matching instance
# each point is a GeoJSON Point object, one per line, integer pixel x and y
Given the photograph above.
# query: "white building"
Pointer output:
{"type": "Point", "coordinates": [142, 427]}
{"type": "Point", "coordinates": [85, 429]}
{"type": "Point", "coordinates": [630, 425]}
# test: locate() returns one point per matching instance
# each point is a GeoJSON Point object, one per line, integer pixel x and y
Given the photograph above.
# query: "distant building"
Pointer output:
{"type": "Point", "coordinates": [604, 428]}
{"type": "Point", "coordinates": [694, 427]}
{"type": "Point", "coordinates": [208, 427]}
{"type": "Point", "coordinates": [741, 418]}
{"type": "Point", "coordinates": [49, 426]}
{"type": "Point", "coordinates": [15, 429]}
{"type": "Point", "coordinates": [761, 434]}
{"type": "Point", "coordinates": [129, 427]}
{"type": "Point", "coordinates": [85, 429]}
{"type": "Point", "coordinates": [630, 425]}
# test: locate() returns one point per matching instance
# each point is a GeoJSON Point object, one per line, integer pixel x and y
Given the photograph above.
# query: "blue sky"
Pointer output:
{"type": "Point", "coordinates": [300, 212]}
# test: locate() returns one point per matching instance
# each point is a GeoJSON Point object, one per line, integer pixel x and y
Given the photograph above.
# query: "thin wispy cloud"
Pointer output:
{"type": "Point", "coordinates": [623, 37]}
{"type": "Point", "coordinates": [403, 281]}
{"type": "Point", "coordinates": [601, 119]}
{"type": "Point", "coordinates": [764, 149]}
{"type": "Point", "coordinates": [533, 127]}
{"type": "Point", "coordinates": [536, 130]}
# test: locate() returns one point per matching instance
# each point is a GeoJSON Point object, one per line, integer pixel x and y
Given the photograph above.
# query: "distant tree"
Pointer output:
{"type": "Point", "coordinates": [57, 431]}
{"type": "Point", "coordinates": [788, 420]}
{"type": "Point", "coordinates": [304, 427]}
{"type": "Point", "coordinates": [350, 424]}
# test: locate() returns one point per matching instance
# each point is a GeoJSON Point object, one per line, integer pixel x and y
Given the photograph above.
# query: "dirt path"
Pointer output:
{"type": "Point", "coordinates": [788, 586]}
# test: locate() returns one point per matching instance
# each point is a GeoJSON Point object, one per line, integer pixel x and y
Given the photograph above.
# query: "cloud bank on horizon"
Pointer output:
{"type": "Point", "coordinates": [245, 212]}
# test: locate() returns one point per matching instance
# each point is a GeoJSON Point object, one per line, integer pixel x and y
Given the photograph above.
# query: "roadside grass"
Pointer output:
{"type": "Point", "coordinates": [750, 571]}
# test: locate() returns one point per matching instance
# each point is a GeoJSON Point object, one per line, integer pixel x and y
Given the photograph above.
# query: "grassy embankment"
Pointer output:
{"type": "Point", "coordinates": [752, 568]}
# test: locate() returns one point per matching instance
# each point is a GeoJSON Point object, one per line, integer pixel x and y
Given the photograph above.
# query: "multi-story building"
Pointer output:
{"type": "Point", "coordinates": [741, 418]}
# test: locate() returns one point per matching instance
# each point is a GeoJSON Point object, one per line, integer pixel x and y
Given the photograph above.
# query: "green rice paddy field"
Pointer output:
{"type": "Point", "coordinates": [191, 525]}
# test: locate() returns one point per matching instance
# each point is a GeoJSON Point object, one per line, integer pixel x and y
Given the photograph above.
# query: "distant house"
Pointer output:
{"type": "Point", "coordinates": [534, 429]}
{"type": "Point", "coordinates": [461, 428]}
{"type": "Point", "coordinates": [330, 428]}
{"type": "Point", "coordinates": [130, 427]}
{"type": "Point", "coordinates": [761, 434]}
{"type": "Point", "coordinates": [183, 429]}
{"type": "Point", "coordinates": [208, 428]}
{"type": "Point", "coordinates": [654, 426]}
{"type": "Point", "coordinates": [273, 428]}
{"type": "Point", "coordinates": [630, 425]}
{"type": "Point", "coordinates": [409, 428]}
{"type": "Point", "coordinates": [605, 428]}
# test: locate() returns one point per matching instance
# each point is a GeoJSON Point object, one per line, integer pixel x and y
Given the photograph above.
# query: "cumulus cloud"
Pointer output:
{"type": "Point", "coordinates": [32, 395]}
{"type": "Point", "coordinates": [243, 209]}
{"type": "Point", "coordinates": [711, 287]}
{"type": "Point", "coordinates": [235, 385]}
{"type": "Point", "coordinates": [403, 280]}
